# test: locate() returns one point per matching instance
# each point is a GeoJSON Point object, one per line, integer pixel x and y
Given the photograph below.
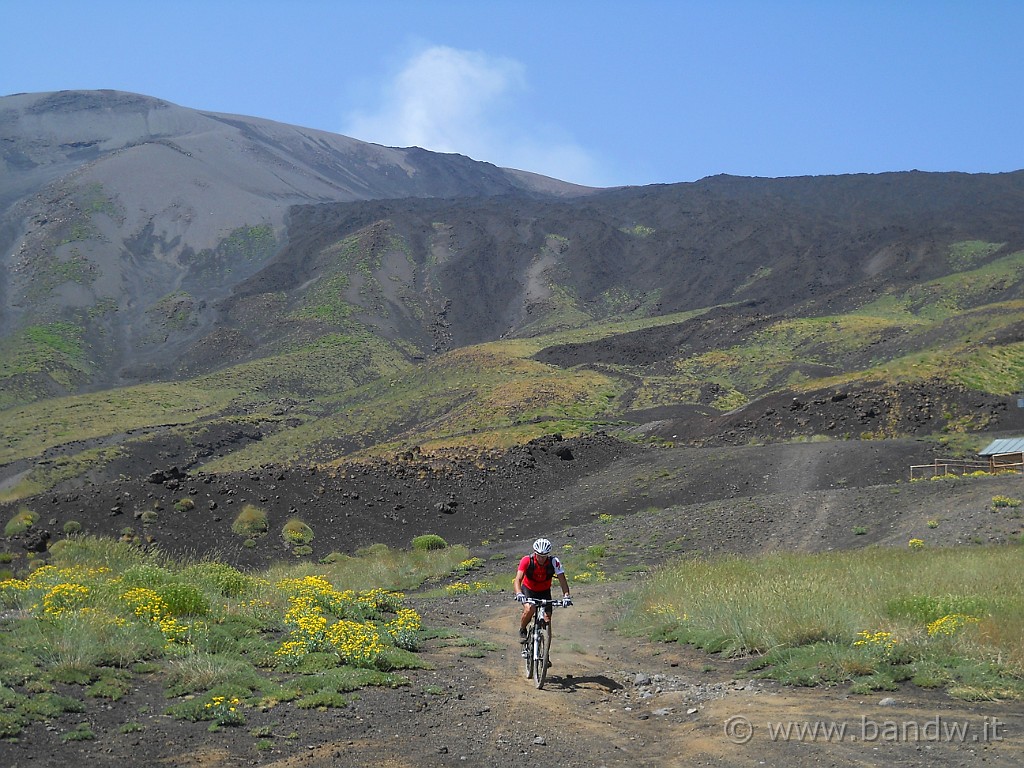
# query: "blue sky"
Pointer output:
{"type": "Point", "coordinates": [602, 93]}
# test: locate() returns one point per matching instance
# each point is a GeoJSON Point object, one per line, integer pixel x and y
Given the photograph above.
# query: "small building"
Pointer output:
{"type": "Point", "coordinates": [1004, 455]}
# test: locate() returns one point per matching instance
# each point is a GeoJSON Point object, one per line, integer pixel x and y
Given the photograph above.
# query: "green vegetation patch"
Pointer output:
{"type": "Point", "coordinates": [29, 430]}
{"type": "Point", "coordinates": [222, 641]}
{"type": "Point", "coordinates": [968, 253]}
{"type": "Point", "coordinates": [870, 618]}
{"type": "Point", "coordinates": [50, 271]}
{"type": "Point", "coordinates": [250, 522]}
{"type": "Point", "coordinates": [20, 522]}
{"type": "Point", "coordinates": [54, 351]}
{"type": "Point", "coordinates": [296, 532]}
{"type": "Point", "coordinates": [429, 541]}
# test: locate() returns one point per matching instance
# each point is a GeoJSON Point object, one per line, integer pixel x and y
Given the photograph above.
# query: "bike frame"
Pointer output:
{"type": "Point", "coordinates": [538, 639]}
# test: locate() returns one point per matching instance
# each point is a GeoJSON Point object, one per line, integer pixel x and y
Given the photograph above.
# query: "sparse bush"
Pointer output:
{"type": "Point", "coordinates": [149, 516]}
{"type": "Point", "coordinates": [251, 521]}
{"type": "Point", "coordinates": [297, 532]}
{"type": "Point", "coordinates": [71, 527]}
{"type": "Point", "coordinates": [23, 519]}
{"type": "Point", "coordinates": [428, 542]}
{"type": "Point", "coordinates": [183, 599]}
{"type": "Point", "coordinates": [82, 732]}
{"type": "Point", "coordinates": [184, 505]}
{"type": "Point", "coordinates": [220, 577]}
{"type": "Point", "coordinates": [1005, 502]}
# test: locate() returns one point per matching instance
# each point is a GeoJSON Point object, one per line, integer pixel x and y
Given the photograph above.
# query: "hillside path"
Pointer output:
{"type": "Point", "coordinates": [612, 700]}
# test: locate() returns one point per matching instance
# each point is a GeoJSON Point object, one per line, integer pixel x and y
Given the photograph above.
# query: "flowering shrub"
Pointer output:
{"type": "Point", "coordinates": [950, 624]}
{"type": "Point", "coordinates": [586, 577]}
{"type": "Point", "coordinates": [63, 599]}
{"type": "Point", "coordinates": [358, 643]}
{"type": "Point", "coordinates": [469, 565]}
{"type": "Point", "coordinates": [1005, 501]}
{"type": "Point", "coordinates": [880, 641]}
{"type": "Point", "coordinates": [147, 605]}
{"type": "Point", "coordinates": [380, 600]}
{"type": "Point", "coordinates": [297, 532]}
{"type": "Point", "coordinates": [916, 544]}
{"type": "Point", "coordinates": [404, 629]}
{"type": "Point", "coordinates": [307, 624]}
{"type": "Point", "coordinates": [224, 711]}
{"type": "Point", "coordinates": [465, 588]}
{"type": "Point", "coordinates": [354, 637]}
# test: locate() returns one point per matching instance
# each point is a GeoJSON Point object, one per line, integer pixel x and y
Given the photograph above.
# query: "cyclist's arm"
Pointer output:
{"type": "Point", "coordinates": [517, 583]}
{"type": "Point", "coordinates": [564, 584]}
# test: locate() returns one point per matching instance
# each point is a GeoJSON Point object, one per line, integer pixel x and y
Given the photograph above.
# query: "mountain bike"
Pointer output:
{"type": "Point", "coordinates": [538, 638]}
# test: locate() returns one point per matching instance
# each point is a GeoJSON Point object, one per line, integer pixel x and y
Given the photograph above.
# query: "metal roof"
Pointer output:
{"type": "Point", "coordinates": [1007, 445]}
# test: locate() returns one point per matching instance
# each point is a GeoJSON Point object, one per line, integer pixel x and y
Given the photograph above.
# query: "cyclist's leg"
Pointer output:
{"type": "Point", "coordinates": [524, 620]}
{"type": "Point", "coordinates": [529, 610]}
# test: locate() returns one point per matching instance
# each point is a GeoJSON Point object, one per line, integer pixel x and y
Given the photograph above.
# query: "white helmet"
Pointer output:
{"type": "Point", "coordinates": [542, 547]}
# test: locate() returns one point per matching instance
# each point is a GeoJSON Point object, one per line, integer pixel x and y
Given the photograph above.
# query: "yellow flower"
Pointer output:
{"type": "Point", "coordinates": [950, 624]}
{"type": "Point", "coordinates": [884, 641]}
{"type": "Point", "coordinates": [64, 598]}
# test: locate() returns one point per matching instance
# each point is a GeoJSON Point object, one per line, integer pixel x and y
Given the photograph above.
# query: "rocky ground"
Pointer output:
{"type": "Point", "coordinates": [611, 700]}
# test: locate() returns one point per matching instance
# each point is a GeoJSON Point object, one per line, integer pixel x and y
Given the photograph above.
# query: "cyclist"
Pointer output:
{"type": "Point", "coordinates": [533, 579]}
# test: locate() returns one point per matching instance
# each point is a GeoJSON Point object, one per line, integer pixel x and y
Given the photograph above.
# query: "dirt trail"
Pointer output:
{"type": "Point", "coordinates": [612, 700]}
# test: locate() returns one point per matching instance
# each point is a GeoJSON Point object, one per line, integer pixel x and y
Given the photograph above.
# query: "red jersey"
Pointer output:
{"type": "Point", "coordinates": [538, 578]}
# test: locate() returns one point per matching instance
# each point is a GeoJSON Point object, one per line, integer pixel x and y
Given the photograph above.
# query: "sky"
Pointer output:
{"type": "Point", "coordinates": [600, 93]}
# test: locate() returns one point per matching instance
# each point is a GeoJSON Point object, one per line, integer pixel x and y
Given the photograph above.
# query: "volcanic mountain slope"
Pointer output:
{"type": "Point", "coordinates": [125, 218]}
{"type": "Point", "coordinates": [150, 244]}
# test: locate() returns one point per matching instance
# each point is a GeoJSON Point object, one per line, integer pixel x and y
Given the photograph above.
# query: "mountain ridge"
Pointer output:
{"type": "Point", "coordinates": [471, 308]}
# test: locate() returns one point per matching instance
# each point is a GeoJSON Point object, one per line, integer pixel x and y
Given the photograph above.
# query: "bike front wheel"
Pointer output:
{"type": "Point", "coordinates": [528, 654]}
{"type": "Point", "coordinates": [541, 658]}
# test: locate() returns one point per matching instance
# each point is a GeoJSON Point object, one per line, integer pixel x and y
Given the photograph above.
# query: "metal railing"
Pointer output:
{"type": "Point", "coordinates": [957, 467]}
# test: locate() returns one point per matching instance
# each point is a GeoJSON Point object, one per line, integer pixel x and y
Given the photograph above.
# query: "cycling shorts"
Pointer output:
{"type": "Point", "coordinates": [537, 595]}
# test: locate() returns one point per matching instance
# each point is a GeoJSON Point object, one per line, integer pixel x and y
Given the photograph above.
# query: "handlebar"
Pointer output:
{"type": "Point", "coordinates": [563, 603]}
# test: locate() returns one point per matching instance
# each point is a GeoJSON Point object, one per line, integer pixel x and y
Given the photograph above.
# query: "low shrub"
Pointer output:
{"type": "Point", "coordinates": [184, 505]}
{"type": "Point", "coordinates": [297, 532]}
{"type": "Point", "coordinates": [251, 522]}
{"type": "Point", "coordinates": [23, 520]}
{"type": "Point", "coordinates": [429, 542]}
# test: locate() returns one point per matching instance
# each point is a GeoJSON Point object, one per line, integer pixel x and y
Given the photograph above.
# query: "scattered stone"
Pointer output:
{"type": "Point", "coordinates": [888, 701]}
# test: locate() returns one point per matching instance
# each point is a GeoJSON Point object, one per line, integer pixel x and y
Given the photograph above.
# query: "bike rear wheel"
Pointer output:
{"type": "Point", "coordinates": [541, 660]}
